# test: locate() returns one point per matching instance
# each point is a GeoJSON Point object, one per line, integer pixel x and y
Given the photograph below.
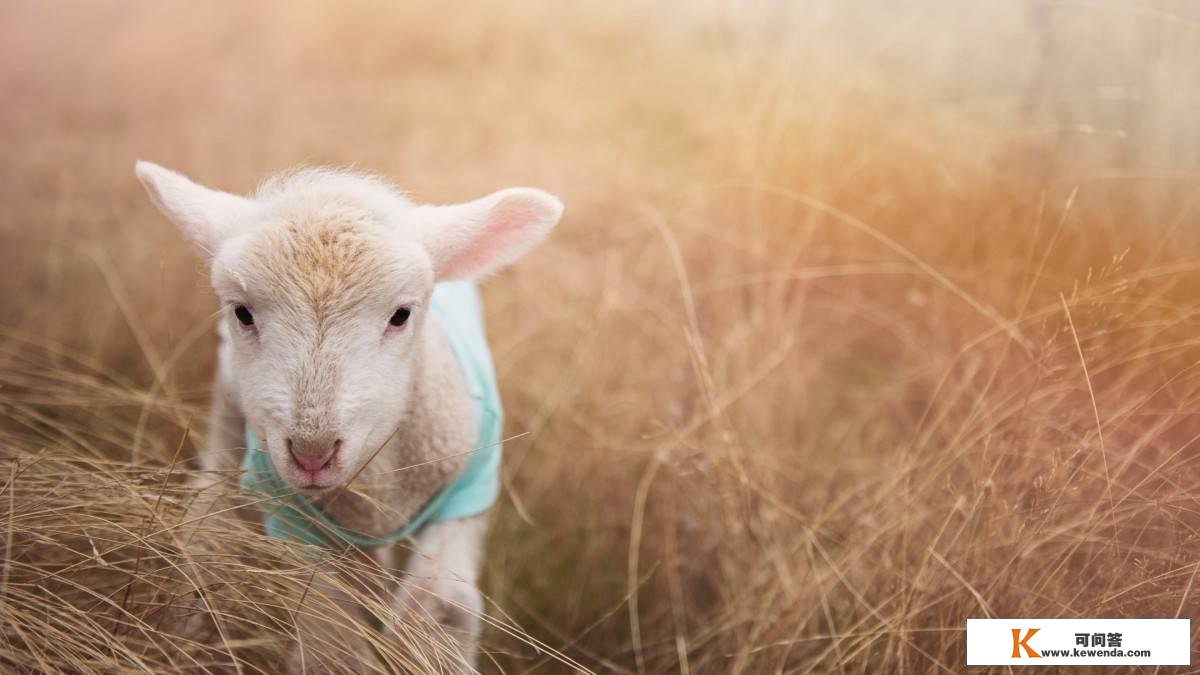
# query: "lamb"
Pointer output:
{"type": "Point", "coordinates": [352, 347]}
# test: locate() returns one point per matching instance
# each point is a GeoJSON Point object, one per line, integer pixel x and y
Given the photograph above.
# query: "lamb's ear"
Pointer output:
{"type": "Point", "coordinates": [205, 215]}
{"type": "Point", "coordinates": [470, 240]}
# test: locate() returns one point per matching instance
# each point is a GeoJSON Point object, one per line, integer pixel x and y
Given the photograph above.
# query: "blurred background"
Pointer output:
{"type": "Point", "coordinates": [864, 318]}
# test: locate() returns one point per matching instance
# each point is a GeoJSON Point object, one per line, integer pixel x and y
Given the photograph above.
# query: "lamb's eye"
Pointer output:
{"type": "Point", "coordinates": [243, 315]}
{"type": "Point", "coordinates": [400, 317]}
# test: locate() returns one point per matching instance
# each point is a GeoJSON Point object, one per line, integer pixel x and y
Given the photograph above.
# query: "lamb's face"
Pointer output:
{"type": "Point", "coordinates": [325, 277]}
{"type": "Point", "coordinates": [324, 316]}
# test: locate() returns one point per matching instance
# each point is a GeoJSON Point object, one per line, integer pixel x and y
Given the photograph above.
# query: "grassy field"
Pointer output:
{"type": "Point", "coordinates": [864, 318]}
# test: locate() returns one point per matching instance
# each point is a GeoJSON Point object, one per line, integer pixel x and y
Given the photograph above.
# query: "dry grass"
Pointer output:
{"type": "Point", "coordinates": [862, 321]}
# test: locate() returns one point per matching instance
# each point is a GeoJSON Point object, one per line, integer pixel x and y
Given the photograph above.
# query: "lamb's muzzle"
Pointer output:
{"type": "Point", "coordinates": [313, 454]}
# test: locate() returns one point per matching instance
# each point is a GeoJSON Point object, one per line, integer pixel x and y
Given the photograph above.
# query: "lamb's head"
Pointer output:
{"type": "Point", "coordinates": [324, 278]}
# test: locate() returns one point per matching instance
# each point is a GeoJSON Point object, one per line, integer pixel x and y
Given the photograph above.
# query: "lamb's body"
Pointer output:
{"type": "Point", "coordinates": [318, 261]}
{"type": "Point", "coordinates": [407, 472]}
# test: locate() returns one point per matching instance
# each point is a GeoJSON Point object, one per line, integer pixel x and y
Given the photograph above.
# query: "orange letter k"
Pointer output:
{"type": "Point", "coordinates": [1018, 643]}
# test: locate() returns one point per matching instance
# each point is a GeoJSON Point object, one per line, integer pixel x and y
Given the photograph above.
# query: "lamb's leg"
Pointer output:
{"type": "Point", "coordinates": [214, 492]}
{"type": "Point", "coordinates": [221, 457]}
{"type": "Point", "coordinates": [438, 593]}
{"type": "Point", "coordinates": [331, 627]}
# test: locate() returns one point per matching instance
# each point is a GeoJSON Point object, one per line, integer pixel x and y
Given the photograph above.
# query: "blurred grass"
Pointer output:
{"type": "Point", "coordinates": [863, 319]}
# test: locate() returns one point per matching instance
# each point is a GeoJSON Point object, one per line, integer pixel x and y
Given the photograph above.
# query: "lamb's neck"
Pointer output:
{"type": "Point", "coordinates": [425, 453]}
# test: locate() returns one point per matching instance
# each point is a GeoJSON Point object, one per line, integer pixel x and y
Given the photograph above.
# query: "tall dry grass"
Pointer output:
{"type": "Point", "coordinates": [864, 319]}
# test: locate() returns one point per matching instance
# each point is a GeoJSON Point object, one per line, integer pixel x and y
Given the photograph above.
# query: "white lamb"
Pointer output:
{"type": "Point", "coordinates": [339, 362]}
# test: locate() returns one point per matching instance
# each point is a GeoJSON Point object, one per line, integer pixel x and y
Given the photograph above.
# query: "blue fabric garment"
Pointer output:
{"type": "Point", "coordinates": [292, 516]}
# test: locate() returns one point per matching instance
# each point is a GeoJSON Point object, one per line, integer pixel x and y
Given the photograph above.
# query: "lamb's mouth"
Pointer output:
{"type": "Point", "coordinates": [308, 482]}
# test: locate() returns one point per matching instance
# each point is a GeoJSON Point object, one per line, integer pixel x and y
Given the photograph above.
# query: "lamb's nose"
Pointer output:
{"type": "Point", "coordinates": [313, 454]}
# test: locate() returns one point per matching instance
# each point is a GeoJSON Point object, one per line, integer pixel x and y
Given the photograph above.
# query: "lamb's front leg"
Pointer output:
{"type": "Point", "coordinates": [221, 459]}
{"type": "Point", "coordinates": [438, 593]}
{"type": "Point", "coordinates": [332, 626]}
{"type": "Point", "coordinates": [212, 508]}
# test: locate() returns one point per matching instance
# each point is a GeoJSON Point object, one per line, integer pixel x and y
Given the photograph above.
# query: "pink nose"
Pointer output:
{"type": "Point", "coordinates": [313, 457]}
